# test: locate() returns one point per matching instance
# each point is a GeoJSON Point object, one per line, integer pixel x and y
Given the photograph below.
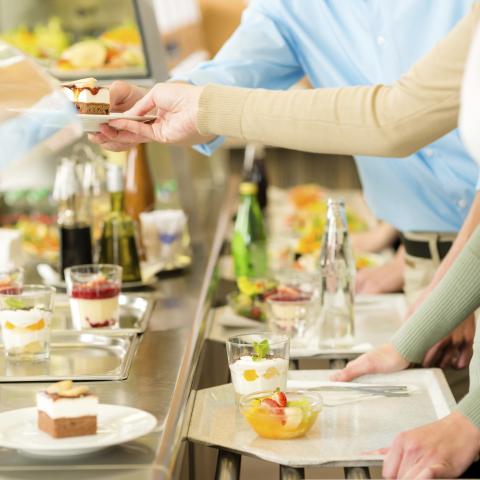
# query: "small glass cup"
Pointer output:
{"type": "Point", "coordinates": [11, 280]}
{"type": "Point", "coordinates": [258, 362]}
{"type": "Point", "coordinates": [94, 293]}
{"type": "Point", "coordinates": [26, 318]}
{"type": "Point", "coordinates": [291, 311]}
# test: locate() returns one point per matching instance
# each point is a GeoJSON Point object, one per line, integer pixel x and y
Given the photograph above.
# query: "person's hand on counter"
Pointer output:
{"type": "Point", "coordinates": [175, 106]}
{"type": "Point", "coordinates": [442, 449]}
{"type": "Point", "coordinates": [387, 278]}
{"type": "Point", "coordinates": [384, 359]}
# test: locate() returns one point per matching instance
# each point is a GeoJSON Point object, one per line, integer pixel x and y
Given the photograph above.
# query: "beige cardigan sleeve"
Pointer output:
{"type": "Point", "coordinates": [380, 120]}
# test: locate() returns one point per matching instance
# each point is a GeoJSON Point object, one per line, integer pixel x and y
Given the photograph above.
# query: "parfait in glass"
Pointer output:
{"type": "Point", "coordinates": [94, 292]}
{"type": "Point", "coordinates": [26, 317]}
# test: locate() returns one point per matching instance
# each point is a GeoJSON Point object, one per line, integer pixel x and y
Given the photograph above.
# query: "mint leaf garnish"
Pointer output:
{"type": "Point", "coordinates": [261, 349]}
{"type": "Point", "coordinates": [14, 303]}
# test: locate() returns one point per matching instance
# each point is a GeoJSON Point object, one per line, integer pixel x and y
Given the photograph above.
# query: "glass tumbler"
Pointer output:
{"type": "Point", "coordinates": [11, 280]}
{"type": "Point", "coordinates": [258, 362]}
{"type": "Point", "coordinates": [94, 292]}
{"type": "Point", "coordinates": [26, 318]}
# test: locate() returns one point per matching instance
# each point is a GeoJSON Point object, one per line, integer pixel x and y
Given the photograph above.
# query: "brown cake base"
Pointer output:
{"type": "Point", "coordinates": [67, 427]}
{"type": "Point", "coordinates": [93, 108]}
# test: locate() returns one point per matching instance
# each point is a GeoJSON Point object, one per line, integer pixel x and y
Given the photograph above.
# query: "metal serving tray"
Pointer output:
{"type": "Point", "coordinates": [76, 356]}
{"type": "Point", "coordinates": [135, 313]}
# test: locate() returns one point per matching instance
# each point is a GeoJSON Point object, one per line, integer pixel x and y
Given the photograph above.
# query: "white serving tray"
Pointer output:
{"type": "Point", "coordinates": [342, 436]}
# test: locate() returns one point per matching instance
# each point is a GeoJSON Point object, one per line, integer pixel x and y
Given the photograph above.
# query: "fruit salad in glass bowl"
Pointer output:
{"type": "Point", "coordinates": [250, 300]}
{"type": "Point", "coordinates": [281, 415]}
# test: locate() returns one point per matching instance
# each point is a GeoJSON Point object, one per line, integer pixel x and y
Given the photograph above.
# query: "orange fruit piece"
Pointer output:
{"type": "Point", "coordinates": [270, 373]}
{"type": "Point", "coordinates": [250, 375]}
{"type": "Point", "coordinates": [9, 326]}
{"type": "Point", "coordinates": [40, 325]}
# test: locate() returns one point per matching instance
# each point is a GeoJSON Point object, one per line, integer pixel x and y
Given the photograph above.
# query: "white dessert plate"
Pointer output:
{"type": "Point", "coordinates": [91, 123]}
{"type": "Point", "coordinates": [116, 424]}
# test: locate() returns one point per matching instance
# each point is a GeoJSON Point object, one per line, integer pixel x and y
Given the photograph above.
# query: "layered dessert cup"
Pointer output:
{"type": "Point", "coordinates": [258, 362]}
{"type": "Point", "coordinates": [25, 318]}
{"type": "Point", "coordinates": [94, 295]}
{"type": "Point", "coordinates": [66, 410]}
{"type": "Point", "coordinates": [88, 97]}
{"type": "Point", "coordinates": [11, 281]}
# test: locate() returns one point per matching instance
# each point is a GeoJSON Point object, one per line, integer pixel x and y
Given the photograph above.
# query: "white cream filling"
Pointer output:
{"type": "Point", "coordinates": [87, 313]}
{"type": "Point", "coordinates": [85, 96]}
{"type": "Point", "coordinates": [24, 318]}
{"type": "Point", "coordinates": [15, 339]}
{"type": "Point", "coordinates": [264, 380]}
{"type": "Point", "coordinates": [67, 407]}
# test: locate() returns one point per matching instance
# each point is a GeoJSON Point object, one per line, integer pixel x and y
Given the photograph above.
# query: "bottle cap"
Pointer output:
{"type": "Point", "coordinates": [115, 182]}
{"type": "Point", "coordinates": [248, 188]}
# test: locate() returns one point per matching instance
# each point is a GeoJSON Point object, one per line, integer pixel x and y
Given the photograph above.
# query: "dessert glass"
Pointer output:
{"type": "Point", "coordinates": [11, 280]}
{"type": "Point", "coordinates": [26, 317]}
{"type": "Point", "coordinates": [258, 362]}
{"type": "Point", "coordinates": [291, 311]}
{"type": "Point", "coordinates": [292, 421]}
{"type": "Point", "coordinates": [94, 292]}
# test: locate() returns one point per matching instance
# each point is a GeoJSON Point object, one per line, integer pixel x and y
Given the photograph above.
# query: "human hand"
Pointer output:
{"type": "Point", "coordinates": [442, 449]}
{"type": "Point", "coordinates": [123, 96]}
{"type": "Point", "coordinates": [455, 350]}
{"type": "Point", "coordinates": [384, 359]}
{"type": "Point", "coordinates": [387, 278]}
{"type": "Point", "coordinates": [176, 107]}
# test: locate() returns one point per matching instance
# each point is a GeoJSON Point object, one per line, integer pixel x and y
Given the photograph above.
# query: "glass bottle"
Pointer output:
{"type": "Point", "coordinates": [118, 241]}
{"type": "Point", "coordinates": [254, 171]}
{"type": "Point", "coordinates": [73, 221]}
{"type": "Point", "coordinates": [139, 190]}
{"type": "Point", "coordinates": [337, 271]}
{"type": "Point", "coordinates": [249, 246]}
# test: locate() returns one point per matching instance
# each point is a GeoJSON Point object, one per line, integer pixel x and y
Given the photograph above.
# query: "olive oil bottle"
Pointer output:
{"type": "Point", "coordinates": [118, 244]}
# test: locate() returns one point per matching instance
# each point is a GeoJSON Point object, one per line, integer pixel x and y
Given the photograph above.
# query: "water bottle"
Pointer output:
{"type": "Point", "coordinates": [337, 271]}
{"type": "Point", "coordinates": [249, 247]}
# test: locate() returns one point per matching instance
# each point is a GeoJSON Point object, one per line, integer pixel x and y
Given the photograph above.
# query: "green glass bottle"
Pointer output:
{"type": "Point", "coordinates": [249, 242]}
{"type": "Point", "coordinates": [118, 244]}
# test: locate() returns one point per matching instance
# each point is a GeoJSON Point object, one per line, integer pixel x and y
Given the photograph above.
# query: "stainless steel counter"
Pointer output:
{"type": "Point", "coordinates": [160, 380]}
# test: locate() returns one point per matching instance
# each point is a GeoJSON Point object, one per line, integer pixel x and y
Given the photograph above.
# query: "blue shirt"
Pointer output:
{"type": "Point", "coordinates": [358, 42]}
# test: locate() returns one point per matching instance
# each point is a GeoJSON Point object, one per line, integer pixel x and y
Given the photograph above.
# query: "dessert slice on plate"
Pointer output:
{"type": "Point", "coordinates": [88, 97]}
{"type": "Point", "coordinates": [65, 410]}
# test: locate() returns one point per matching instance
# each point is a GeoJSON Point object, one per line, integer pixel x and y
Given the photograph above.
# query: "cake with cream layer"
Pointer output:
{"type": "Point", "coordinates": [65, 410]}
{"type": "Point", "coordinates": [88, 97]}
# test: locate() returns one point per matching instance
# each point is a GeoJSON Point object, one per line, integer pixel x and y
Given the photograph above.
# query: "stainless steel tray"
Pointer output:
{"type": "Point", "coordinates": [76, 356]}
{"type": "Point", "coordinates": [135, 313]}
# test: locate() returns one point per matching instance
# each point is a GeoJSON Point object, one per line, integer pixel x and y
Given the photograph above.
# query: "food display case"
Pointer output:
{"type": "Point", "coordinates": [105, 39]}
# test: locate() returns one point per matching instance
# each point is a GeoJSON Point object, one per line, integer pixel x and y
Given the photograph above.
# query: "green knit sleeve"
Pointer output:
{"type": "Point", "coordinates": [470, 406]}
{"type": "Point", "coordinates": [455, 297]}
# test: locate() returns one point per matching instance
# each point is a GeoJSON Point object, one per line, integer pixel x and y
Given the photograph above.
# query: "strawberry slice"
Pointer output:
{"type": "Point", "coordinates": [280, 398]}
{"type": "Point", "coordinates": [272, 405]}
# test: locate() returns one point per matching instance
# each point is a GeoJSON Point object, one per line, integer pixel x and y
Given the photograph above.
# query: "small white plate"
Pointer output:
{"type": "Point", "coordinates": [116, 424]}
{"type": "Point", "coordinates": [91, 123]}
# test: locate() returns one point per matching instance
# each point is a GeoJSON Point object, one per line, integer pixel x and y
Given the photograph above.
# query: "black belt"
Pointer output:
{"type": "Point", "coordinates": [421, 248]}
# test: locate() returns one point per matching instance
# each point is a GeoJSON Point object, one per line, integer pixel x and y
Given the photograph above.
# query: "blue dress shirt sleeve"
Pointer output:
{"type": "Point", "coordinates": [258, 55]}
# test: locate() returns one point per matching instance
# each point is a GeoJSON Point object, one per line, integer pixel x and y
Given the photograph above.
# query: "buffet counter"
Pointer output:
{"type": "Point", "coordinates": [162, 373]}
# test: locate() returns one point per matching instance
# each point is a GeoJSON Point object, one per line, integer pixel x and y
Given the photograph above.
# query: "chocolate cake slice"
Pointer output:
{"type": "Point", "coordinates": [65, 410]}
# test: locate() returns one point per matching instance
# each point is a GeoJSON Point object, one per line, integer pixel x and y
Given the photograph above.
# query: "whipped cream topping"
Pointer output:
{"type": "Point", "coordinates": [84, 406]}
{"type": "Point", "coordinates": [86, 90]}
{"type": "Point", "coordinates": [24, 318]}
{"type": "Point", "coordinates": [250, 376]}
